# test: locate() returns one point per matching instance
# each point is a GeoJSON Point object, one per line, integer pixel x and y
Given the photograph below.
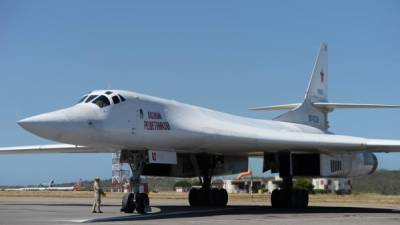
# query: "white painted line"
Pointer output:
{"type": "Point", "coordinates": [154, 213]}
{"type": "Point", "coordinates": [132, 217]}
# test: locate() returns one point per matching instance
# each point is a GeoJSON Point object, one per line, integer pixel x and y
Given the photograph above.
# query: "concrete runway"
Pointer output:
{"type": "Point", "coordinates": [41, 211]}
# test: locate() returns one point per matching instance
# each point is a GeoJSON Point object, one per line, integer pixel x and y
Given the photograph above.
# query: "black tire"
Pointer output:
{"type": "Point", "coordinates": [128, 204]}
{"type": "Point", "coordinates": [304, 199]}
{"type": "Point", "coordinates": [208, 197]}
{"type": "Point", "coordinates": [299, 199]}
{"type": "Point", "coordinates": [281, 198]}
{"type": "Point", "coordinates": [275, 198]}
{"type": "Point", "coordinates": [203, 197]}
{"type": "Point", "coordinates": [221, 197]}
{"type": "Point", "coordinates": [213, 197]}
{"type": "Point", "coordinates": [146, 200]}
{"type": "Point", "coordinates": [140, 203]}
{"type": "Point", "coordinates": [193, 193]}
{"type": "Point", "coordinates": [295, 199]}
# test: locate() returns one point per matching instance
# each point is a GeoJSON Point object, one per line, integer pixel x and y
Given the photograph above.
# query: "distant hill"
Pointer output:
{"type": "Point", "coordinates": [385, 182]}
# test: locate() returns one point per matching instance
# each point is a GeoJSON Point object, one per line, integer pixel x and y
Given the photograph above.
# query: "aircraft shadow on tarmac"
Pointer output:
{"type": "Point", "coordinates": [168, 212]}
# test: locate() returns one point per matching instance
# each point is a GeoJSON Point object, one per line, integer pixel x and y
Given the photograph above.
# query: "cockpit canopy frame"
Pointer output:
{"type": "Point", "coordinates": [102, 100]}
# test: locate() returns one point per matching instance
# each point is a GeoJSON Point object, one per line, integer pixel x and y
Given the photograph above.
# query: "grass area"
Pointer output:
{"type": "Point", "coordinates": [322, 198]}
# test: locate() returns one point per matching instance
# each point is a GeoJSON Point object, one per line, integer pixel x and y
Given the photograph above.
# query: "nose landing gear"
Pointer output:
{"type": "Point", "coordinates": [135, 200]}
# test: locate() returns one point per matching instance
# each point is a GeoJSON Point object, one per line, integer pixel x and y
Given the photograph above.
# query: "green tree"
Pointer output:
{"type": "Point", "coordinates": [183, 183]}
{"type": "Point", "coordinates": [303, 183]}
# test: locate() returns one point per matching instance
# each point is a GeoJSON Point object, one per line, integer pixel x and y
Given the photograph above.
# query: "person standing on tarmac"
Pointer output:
{"type": "Point", "coordinates": [98, 192]}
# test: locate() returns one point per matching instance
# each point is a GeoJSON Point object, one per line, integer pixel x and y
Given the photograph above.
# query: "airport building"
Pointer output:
{"type": "Point", "coordinates": [273, 184]}
{"type": "Point", "coordinates": [333, 185]}
{"type": "Point", "coordinates": [247, 185]}
{"type": "Point", "coordinates": [326, 185]}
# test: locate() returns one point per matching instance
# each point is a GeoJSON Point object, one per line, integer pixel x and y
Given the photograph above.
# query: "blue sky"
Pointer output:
{"type": "Point", "coordinates": [225, 55]}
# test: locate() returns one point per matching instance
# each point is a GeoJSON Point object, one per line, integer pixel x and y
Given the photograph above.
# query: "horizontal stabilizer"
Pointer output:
{"type": "Point", "coordinates": [277, 107]}
{"type": "Point", "coordinates": [331, 106]}
{"type": "Point", "coordinates": [325, 106]}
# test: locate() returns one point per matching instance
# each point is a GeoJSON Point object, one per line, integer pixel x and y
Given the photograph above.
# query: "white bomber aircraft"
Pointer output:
{"type": "Point", "coordinates": [167, 138]}
{"type": "Point", "coordinates": [48, 187]}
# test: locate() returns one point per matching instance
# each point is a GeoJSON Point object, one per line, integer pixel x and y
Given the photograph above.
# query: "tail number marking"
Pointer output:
{"type": "Point", "coordinates": [313, 118]}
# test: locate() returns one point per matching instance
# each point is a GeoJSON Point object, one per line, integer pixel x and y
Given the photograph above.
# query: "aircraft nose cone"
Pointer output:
{"type": "Point", "coordinates": [47, 125]}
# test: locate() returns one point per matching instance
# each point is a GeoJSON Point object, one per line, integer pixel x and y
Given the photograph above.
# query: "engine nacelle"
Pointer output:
{"type": "Point", "coordinates": [320, 165]}
{"type": "Point", "coordinates": [348, 165]}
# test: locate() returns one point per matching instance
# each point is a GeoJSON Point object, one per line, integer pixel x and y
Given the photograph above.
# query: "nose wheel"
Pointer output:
{"type": "Point", "coordinates": [135, 201]}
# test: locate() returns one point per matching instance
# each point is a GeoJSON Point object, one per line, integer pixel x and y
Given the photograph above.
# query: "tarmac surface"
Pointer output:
{"type": "Point", "coordinates": [35, 211]}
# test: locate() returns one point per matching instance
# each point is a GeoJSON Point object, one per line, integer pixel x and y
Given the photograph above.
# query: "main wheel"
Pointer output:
{"type": "Point", "coordinates": [208, 197]}
{"type": "Point", "coordinates": [297, 199]}
{"type": "Point", "coordinates": [301, 199]}
{"type": "Point", "coordinates": [193, 197]}
{"type": "Point", "coordinates": [221, 197]}
{"type": "Point", "coordinates": [200, 197]}
{"type": "Point", "coordinates": [306, 198]}
{"type": "Point", "coordinates": [213, 197]}
{"type": "Point", "coordinates": [280, 198]}
{"type": "Point", "coordinates": [275, 198]}
{"type": "Point", "coordinates": [128, 204]}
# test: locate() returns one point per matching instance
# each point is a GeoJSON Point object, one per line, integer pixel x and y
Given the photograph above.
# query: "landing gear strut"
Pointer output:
{"type": "Point", "coordinates": [287, 197]}
{"type": "Point", "coordinates": [135, 200]}
{"type": "Point", "coordinates": [206, 195]}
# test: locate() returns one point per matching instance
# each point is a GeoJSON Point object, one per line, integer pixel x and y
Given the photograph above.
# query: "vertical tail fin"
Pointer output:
{"type": "Point", "coordinates": [317, 91]}
{"type": "Point", "coordinates": [313, 111]}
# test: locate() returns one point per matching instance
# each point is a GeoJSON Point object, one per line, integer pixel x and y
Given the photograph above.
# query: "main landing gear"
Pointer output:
{"type": "Point", "coordinates": [287, 197]}
{"type": "Point", "coordinates": [206, 195]}
{"type": "Point", "coordinates": [135, 200]}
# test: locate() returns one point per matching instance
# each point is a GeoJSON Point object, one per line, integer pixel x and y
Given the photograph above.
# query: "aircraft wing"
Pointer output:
{"type": "Point", "coordinates": [380, 145]}
{"type": "Point", "coordinates": [54, 148]}
{"type": "Point", "coordinates": [298, 142]}
{"type": "Point", "coordinates": [240, 138]}
{"type": "Point", "coordinates": [333, 143]}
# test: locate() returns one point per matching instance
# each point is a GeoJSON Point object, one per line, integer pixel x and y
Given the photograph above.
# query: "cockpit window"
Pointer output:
{"type": "Point", "coordinates": [102, 101]}
{"type": "Point", "coordinates": [91, 97]}
{"type": "Point", "coordinates": [83, 98]}
{"type": "Point", "coordinates": [122, 98]}
{"type": "Point", "coordinates": [109, 92]}
{"type": "Point", "coordinates": [115, 99]}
